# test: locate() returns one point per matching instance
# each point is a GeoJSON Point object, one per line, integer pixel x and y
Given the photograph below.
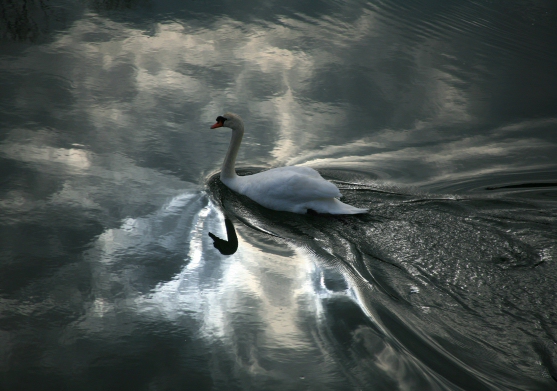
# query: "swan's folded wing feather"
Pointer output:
{"type": "Point", "coordinates": [300, 188]}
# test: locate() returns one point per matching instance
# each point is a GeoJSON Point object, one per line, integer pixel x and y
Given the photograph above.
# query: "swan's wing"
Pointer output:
{"type": "Point", "coordinates": [295, 187]}
{"type": "Point", "coordinates": [309, 188]}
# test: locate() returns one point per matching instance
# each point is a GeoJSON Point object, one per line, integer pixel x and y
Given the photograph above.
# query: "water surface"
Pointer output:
{"type": "Point", "coordinates": [438, 116]}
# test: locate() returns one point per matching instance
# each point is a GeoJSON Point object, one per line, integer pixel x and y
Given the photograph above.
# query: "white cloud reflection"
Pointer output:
{"type": "Point", "coordinates": [252, 307]}
{"type": "Point", "coordinates": [75, 161]}
{"type": "Point", "coordinates": [261, 311]}
{"type": "Point", "coordinates": [390, 152]}
{"type": "Point", "coordinates": [267, 72]}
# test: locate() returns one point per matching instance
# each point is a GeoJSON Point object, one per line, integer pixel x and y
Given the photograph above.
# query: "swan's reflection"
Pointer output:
{"type": "Point", "coordinates": [226, 247]}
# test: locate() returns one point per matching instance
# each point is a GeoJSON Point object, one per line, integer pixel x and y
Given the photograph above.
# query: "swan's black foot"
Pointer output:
{"type": "Point", "coordinates": [226, 247]}
{"type": "Point", "coordinates": [312, 212]}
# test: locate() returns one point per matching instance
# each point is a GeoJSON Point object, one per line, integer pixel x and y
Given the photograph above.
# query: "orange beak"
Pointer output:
{"type": "Point", "coordinates": [217, 125]}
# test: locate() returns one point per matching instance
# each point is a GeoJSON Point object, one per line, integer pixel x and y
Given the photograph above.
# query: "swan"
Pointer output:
{"type": "Point", "coordinates": [290, 189]}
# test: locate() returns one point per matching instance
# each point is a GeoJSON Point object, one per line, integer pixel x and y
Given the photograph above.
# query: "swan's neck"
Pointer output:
{"type": "Point", "coordinates": [228, 170]}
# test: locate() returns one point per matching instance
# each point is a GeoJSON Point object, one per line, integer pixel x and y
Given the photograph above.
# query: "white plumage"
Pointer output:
{"type": "Point", "coordinates": [292, 189]}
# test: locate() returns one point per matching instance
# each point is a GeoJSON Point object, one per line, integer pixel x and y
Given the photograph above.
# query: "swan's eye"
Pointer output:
{"type": "Point", "coordinates": [221, 119]}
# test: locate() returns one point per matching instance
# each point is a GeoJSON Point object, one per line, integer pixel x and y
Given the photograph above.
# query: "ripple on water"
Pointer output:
{"type": "Point", "coordinates": [440, 278]}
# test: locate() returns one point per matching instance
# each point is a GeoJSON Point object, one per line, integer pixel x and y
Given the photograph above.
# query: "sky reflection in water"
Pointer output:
{"type": "Point", "coordinates": [109, 278]}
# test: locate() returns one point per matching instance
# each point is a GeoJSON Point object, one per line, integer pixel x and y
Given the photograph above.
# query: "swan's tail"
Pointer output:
{"type": "Point", "coordinates": [354, 211]}
{"type": "Point", "coordinates": [334, 207]}
{"type": "Point", "coordinates": [350, 210]}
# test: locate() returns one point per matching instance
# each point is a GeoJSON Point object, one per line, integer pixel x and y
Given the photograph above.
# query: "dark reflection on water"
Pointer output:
{"type": "Point", "coordinates": [229, 245]}
{"type": "Point", "coordinates": [524, 186]}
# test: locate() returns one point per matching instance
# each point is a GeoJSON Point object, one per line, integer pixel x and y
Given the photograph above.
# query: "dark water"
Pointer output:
{"type": "Point", "coordinates": [438, 116]}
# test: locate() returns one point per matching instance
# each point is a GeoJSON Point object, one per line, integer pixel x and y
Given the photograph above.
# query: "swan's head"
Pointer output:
{"type": "Point", "coordinates": [229, 120]}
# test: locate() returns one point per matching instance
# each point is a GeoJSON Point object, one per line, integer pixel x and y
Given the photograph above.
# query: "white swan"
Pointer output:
{"type": "Point", "coordinates": [290, 189]}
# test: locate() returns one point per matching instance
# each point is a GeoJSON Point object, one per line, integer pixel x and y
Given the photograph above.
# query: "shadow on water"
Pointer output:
{"type": "Point", "coordinates": [457, 287]}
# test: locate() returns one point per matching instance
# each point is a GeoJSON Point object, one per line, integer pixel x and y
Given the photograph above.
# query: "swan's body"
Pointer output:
{"type": "Point", "coordinates": [291, 189]}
